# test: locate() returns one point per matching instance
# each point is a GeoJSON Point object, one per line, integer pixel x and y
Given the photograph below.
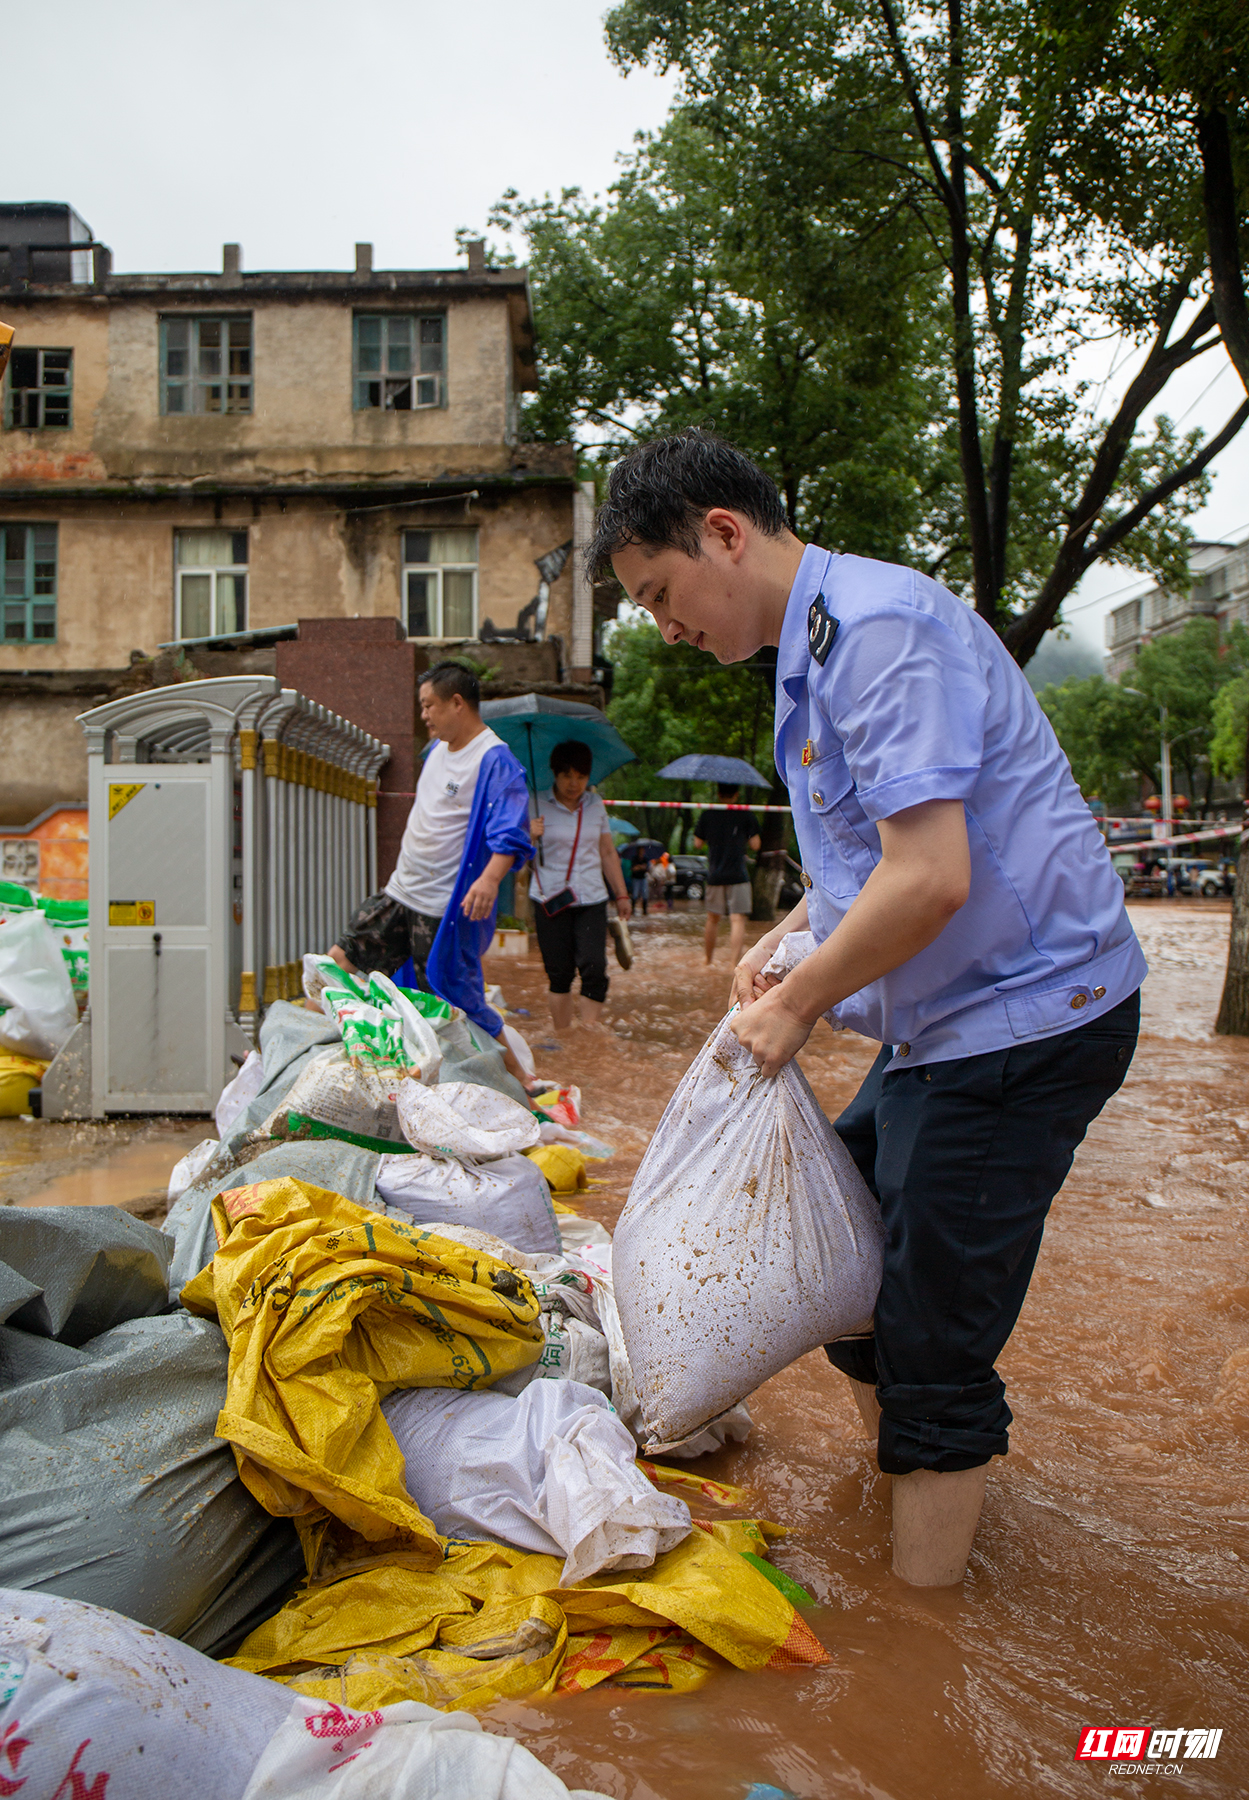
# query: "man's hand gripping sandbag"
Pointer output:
{"type": "Point", "coordinates": [748, 1239]}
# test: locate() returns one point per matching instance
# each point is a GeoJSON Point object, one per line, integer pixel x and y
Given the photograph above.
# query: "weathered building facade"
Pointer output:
{"type": "Point", "coordinates": [1219, 591]}
{"type": "Point", "coordinates": [188, 457]}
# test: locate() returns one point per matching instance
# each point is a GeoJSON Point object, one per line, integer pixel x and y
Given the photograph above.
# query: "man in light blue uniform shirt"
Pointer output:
{"type": "Point", "coordinates": [966, 915]}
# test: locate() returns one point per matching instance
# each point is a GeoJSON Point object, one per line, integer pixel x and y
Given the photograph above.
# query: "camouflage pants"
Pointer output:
{"type": "Point", "coordinates": [384, 933]}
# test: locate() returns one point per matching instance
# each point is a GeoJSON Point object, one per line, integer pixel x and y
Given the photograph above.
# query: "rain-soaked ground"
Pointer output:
{"type": "Point", "coordinates": [1108, 1582]}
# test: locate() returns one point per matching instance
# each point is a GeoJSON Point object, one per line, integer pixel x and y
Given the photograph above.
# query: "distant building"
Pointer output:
{"type": "Point", "coordinates": [197, 461]}
{"type": "Point", "coordinates": [1219, 591]}
{"type": "Point", "coordinates": [193, 456]}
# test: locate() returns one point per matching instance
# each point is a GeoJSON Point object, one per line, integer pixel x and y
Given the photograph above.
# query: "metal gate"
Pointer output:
{"type": "Point", "coordinates": [233, 827]}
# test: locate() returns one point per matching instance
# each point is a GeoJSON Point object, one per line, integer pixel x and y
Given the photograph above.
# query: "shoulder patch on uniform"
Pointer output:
{"type": "Point", "coordinates": [822, 628]}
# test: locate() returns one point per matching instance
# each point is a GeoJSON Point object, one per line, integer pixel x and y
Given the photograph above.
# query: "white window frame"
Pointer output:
{"type": "Point", "coordinates": [181, 570]}
{"type": "Point", "coordinates": [437, 571]}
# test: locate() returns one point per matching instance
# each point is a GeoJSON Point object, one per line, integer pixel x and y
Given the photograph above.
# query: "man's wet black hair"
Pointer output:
{"type": "Point", "coordinates": [572, 755]}
{"type": "Point", "coordinates": [447, 678]}
{"type": "Point", "coordinates": [659, 495]}
{"type": "Point", "coordinates": [728, 790]}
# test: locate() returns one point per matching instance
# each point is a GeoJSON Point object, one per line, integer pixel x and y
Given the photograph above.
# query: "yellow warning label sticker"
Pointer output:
{"type": "Point", "coordinates": [132, 912]}
{"type": "Point", "coordinates": [121, 793]}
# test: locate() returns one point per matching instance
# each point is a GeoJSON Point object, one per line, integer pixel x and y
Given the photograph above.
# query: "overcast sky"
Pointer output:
{"type": "Point", "coordinates": [296, 129]}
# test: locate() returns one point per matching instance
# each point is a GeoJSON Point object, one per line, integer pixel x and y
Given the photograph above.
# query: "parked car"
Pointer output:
{"type": "Point", "coordinates": [1213, 880]}
{"type": "Point", "coordinates": [691, 877]}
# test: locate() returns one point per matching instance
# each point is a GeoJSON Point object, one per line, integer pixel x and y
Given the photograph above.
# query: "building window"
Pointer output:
{"type": "Point", "coordinates": [211, 574]}
{"type": "Point", "coordinates": [206, 365]}
{"type": "Point", "coordinates": [398, 361]}
{"type": "Point", "coordinates": [40, 383]}
{"type": "Point", "coordinates": [440, 583]}
{"type": "Point", "coordinates": [29, 578]}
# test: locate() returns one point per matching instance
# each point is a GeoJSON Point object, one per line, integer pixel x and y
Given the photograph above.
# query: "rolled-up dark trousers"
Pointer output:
{"type": "Point", "coordinates": [964, 1158]}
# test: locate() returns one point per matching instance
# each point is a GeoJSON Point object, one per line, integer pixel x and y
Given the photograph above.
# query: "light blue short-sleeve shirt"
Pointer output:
{"type": "Point", "coordinates": [917, 699]}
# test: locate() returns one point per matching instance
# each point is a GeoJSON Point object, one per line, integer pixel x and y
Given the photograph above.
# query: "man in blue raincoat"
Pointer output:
{"type": "Point", "coordinates": [468, 827]}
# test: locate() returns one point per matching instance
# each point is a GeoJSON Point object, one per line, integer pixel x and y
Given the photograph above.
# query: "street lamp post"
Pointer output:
{"type": "Point", "coordinates": [1166, 775]}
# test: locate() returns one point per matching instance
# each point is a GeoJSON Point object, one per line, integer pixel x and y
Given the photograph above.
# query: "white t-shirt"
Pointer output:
{"type": "Point", "coordinates": [551, 876]}
{"type": "Point", "coordinates": [433, 839]}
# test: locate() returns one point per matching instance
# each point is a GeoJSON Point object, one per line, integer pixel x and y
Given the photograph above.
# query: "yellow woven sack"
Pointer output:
{"type": "Point", "coordinates": [18, 1074]}
{"type": "Point", "coordinates": [327, 1307]}
{"type": "Point", "coordinates": [563, 1166]}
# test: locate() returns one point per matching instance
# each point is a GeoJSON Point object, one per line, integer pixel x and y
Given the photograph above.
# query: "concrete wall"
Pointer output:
{"type": "Point", "coordinates": [303, 425]}
{"type": "Point", "coordinates": [307, 557]}
{"type": "Point", "coordinates": [43, 753]}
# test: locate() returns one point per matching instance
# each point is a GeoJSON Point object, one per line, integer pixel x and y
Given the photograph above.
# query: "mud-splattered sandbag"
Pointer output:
{"type": "Point", "coordinates": [749, 1238]}
{"type": "Point", "coordinates": [458, 1118]}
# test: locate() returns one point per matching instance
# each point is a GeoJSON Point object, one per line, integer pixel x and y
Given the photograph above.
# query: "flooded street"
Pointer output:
{"type": "Point", "coordinates": [1108, 1582]}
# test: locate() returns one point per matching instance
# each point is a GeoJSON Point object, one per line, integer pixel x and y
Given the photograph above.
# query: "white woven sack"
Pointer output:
{"type": "Point", "coordinates": [749, 1238]}
{"type": "Point", "coordinates": [458, 1118]}
{"type": "Point", "coordinates": [37, 1006]}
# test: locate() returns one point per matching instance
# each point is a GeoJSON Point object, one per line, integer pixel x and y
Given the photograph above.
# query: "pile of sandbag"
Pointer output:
{"type": "Point", "coordinates": [90, 1701]}
{"type": "Point", "coordinates": [114, 1487]}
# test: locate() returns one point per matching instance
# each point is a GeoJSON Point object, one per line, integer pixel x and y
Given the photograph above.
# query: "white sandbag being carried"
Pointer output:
{"type": "Point", "coordinates": [37, 1006]}
{"type": "Point", "coordinates": [749, 1238]}
{"type": "Point", "coordinates": [458, 1118]}
{"type": "Point", "coordinates": [551, 1471]}
{"type": "Point", "coordinates": [507, 1197]}
{"type": "Point", "coordinates": [584, 1340]}
{"type": "Point", "coordinates": [90, 1701]}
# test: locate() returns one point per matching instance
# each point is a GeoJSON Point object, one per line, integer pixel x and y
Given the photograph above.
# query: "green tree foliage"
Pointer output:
{"type": "Point", "coordinates": [1231, 729]}
{"type": "Point", "coordinates": [669, 701]}
{"type": "Point", "coordinates": [1112, 731]}
{"type": "Point", "coordinates": [1043, 165]}
{"type": "Point", "coordinates": [1105, 733]}
{"type": "Point", "coordinates": [667, 306]}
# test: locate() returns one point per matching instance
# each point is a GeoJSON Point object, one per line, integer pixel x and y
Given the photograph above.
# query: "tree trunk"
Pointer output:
{"type": "Point", "coordinates": [768, 876]}
{"type": "Point", "coordinates": [1233, 1019]}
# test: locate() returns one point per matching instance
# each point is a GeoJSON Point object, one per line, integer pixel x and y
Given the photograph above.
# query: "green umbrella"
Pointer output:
{"type": "Point", "coordinates": [532, 725]}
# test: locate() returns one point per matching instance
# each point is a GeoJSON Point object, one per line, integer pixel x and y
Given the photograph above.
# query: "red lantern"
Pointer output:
{"type": "Point", "coordinates": [1154, 803]}
{"type": "Point", "coordinates": [1181, 803]}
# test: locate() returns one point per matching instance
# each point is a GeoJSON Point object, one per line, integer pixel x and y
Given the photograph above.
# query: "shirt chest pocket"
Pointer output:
{"type": "Point", "coordinates": [848, 842]}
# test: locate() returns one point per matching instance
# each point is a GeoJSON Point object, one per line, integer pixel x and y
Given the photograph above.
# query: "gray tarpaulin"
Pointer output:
{"type": "Point", "coordinates": [113, 1487]}
{"type": "Point", "coordinates": [91, 1267]}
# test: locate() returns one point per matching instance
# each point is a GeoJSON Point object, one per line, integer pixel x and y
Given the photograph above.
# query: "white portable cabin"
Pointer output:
{"type": "Point", "coordinates": [233, 826]}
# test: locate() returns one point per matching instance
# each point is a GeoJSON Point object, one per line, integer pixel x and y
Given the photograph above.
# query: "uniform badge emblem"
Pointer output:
{"type": "Point", "coordinates": [821, 630]}
{"type": "Point", "coordinates": [808, 754]}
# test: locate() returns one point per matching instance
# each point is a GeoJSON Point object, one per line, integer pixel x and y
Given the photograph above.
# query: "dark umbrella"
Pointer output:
{"type": "Point", "coordinates": [730, 770]}
{"type": "Point", "coordinates": [532, 724]}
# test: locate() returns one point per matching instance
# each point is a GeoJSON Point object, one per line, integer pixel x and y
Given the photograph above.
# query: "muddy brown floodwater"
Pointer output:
{"type": "Point", "coordinates": [1108, 1581]}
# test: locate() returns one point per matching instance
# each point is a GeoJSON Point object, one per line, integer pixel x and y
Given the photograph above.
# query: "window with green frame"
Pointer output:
{"type": "Point", "coordinates": [29, 583]}
{"type": "Point", "coordinates": [398, 361]}
{"type": "Point", "coordinates": [205, 364]}
{"type": "Point", "coordinates": [39, 389]}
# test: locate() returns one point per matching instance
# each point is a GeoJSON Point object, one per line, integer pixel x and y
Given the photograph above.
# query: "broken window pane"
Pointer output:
{"type": "Point", "coordinates": [39, 389]}
{"type": "Point", "coordinates": [387, 343]}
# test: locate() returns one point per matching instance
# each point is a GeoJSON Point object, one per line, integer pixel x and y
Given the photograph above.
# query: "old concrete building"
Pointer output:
{"type": "Point", "coordinates": [1219, 591]}
{"type": "Point", "coordinates": [192, 458]}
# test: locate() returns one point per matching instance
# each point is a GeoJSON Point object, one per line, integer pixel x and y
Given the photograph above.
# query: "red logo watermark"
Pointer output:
{"type": "Point", "coordinates": [1143, 1743]}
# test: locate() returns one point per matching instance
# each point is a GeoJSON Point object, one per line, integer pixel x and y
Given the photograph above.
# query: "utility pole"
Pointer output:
{"type": "Point", "coordinates": [1166, 777]}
